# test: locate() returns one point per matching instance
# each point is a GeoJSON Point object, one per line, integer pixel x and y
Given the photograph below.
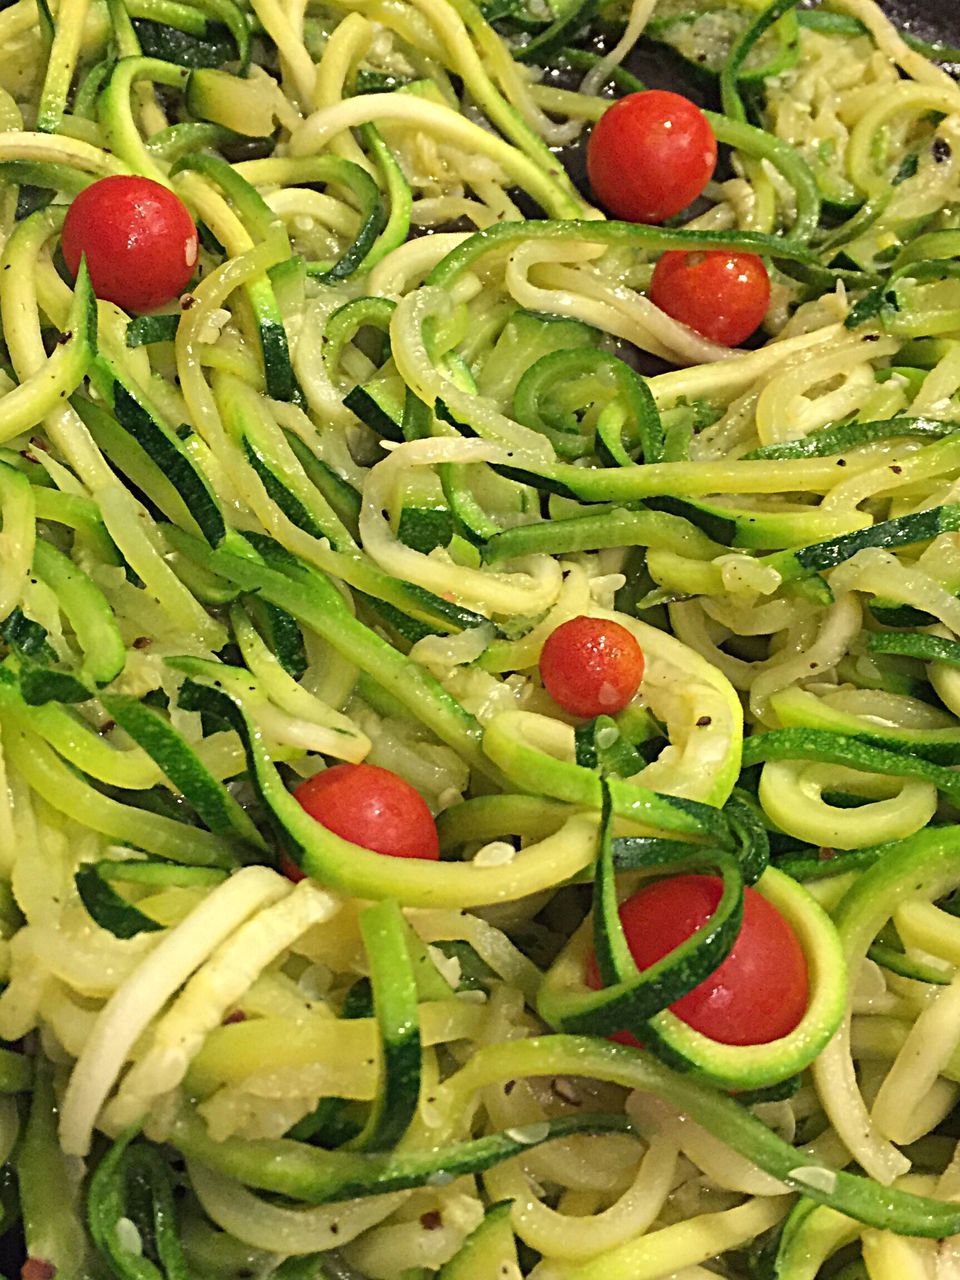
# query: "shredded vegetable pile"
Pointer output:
{"type": "Point", "coordinates": [328, 505]}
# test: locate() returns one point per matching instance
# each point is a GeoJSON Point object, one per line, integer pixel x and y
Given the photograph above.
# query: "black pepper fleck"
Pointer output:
{"type": "Point", "coordinates": [941, 150]}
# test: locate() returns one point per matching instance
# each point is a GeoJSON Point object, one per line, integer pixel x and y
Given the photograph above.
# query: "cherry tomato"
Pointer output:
{"type": "Point", "coordinates": [723, 296]}
{"type": "Point", "coordinates": [139, 240]}
{"type": "Point", "coordinates": [650, 155]}
{"type": "Point", "coordinates": [758, 994]}
{"type": "Point", "coordinates": [591, 666]}
{"type": "Point", "coordinates": [371, 807]}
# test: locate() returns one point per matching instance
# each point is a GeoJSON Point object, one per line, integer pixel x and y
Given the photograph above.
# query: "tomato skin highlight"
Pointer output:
{"type": "Point", "coordinates": [650, 155]}
{"type": "Point", "coordinates": [591, 666]}
{"type": "Point", "coordinates": [723, 296]}
{"type": "Point", "coordinates": [139, 240]}
{"type": "Point", "coordinates": [372, 807]}
{"type": "Point", "coordinates": [758, 994]}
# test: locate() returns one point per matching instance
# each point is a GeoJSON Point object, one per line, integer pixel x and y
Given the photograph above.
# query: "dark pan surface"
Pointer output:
{"type": "Point", "coordinates": [931, 19]}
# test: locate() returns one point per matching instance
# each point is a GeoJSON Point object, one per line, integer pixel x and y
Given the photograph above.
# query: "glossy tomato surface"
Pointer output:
{"type": "Point", "coordinates": [723, 296]}
{"type": "Point", "coordinates": [138, 238]}
{"type": "Point", "coordinates": [650, 155]}
{"type": "Point", "coordinates": [591, 666]}
{"type": "Point", "coordinates": [371, 807]}
{"type": "Point", "coordinates": [758, 994]}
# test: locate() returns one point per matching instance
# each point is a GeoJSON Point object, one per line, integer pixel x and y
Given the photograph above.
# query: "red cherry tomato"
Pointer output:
{"type": "Point", "coordinates": [723, 296]}
{"type": "Point", "coordinates": [591, 667]}
{"type": "Point", "coordinates": [371, 807]}
{"type": "Point", "coordinates": [758, 994]}
{"type": "Point", "coordinates": [139, 240]}
{"type": "Point", "coordinates": [650, 155]}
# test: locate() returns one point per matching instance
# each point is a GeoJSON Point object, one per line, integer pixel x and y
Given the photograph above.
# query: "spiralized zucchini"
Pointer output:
{"type": "Point", "coordinates": [329, 506]}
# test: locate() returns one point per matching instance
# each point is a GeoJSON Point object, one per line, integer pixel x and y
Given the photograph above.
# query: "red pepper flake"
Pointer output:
{"type": "Point", "coordinates": [896, 470]}
{"type": "Point", "coordinates": [142, 642]}
{"type": "Point", "coordinates": [37, 1269]}
{"type": "Point", "coordinates": [704, 721]}
{"type": "Point", "coordinates": [232, 1018]}
{"type": "Point", "coordinates": [432, 1220]}
{"type": "Point", "coordinates": [826, 853]}
{"type": "Point", "coordinates": [187, 300]}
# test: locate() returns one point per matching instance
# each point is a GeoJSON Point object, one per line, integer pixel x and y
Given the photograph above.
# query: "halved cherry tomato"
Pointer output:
{"type": "Point", "coordinates": [139, 240]}
{"type": "Point", "coordinates": [650, 155]}
{"type": "Point", "coordinates": [371, 807]}
{"type": "Point", "coordinates": [758, 994]}
{"type": "Point", "coordinates": [723, 296]}
{"type": "Point", "coordinates": [591, 666]}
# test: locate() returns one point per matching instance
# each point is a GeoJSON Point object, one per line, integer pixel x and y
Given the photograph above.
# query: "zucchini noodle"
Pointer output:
{"type": "Point", "coordinates": [415, 410]}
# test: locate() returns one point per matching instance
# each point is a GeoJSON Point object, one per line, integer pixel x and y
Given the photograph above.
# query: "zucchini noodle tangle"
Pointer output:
{"type": "Point", "coordinates": [419, 414]}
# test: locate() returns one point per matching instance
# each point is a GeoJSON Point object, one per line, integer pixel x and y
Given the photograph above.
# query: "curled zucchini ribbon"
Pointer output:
{"type": "Point", "coordinates": [628, 997]}
{"type": "Point", "coordinates": [385, 937]}
{"type": "Point", "coordinates": [309, 1174]}
{"type": "Point", "coordinates": [639, 1001]}
{"type": "Point", "coordinates": [111, 911]}
{"type": "Point", "coordinates": [504, 236]}
{"type": "Point", "coordinates": [837, 438]}
{"type": "Point", "coordinates": [887, 1208]}
{"type": "Point", "coordinates": [26, 405]}
{"type": "Point", "coordinates": [908, 875]}
{"type": "Point", "coordinates": [628, 422]}
{"type": "Point", "coordinates": [854, 752]}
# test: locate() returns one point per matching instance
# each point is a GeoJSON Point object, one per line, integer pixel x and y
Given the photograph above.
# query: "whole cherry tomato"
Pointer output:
{"type": "Point", "coordinates": [650, 155]}
{"type": "Point", "coordinates": [723, 296]}
{"type": "Point", "coordinates": [591, 666]}
{"type": "Point", "coordinates": [138, 238]}
{"type": "Point", "coordinates": [371, 807]}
